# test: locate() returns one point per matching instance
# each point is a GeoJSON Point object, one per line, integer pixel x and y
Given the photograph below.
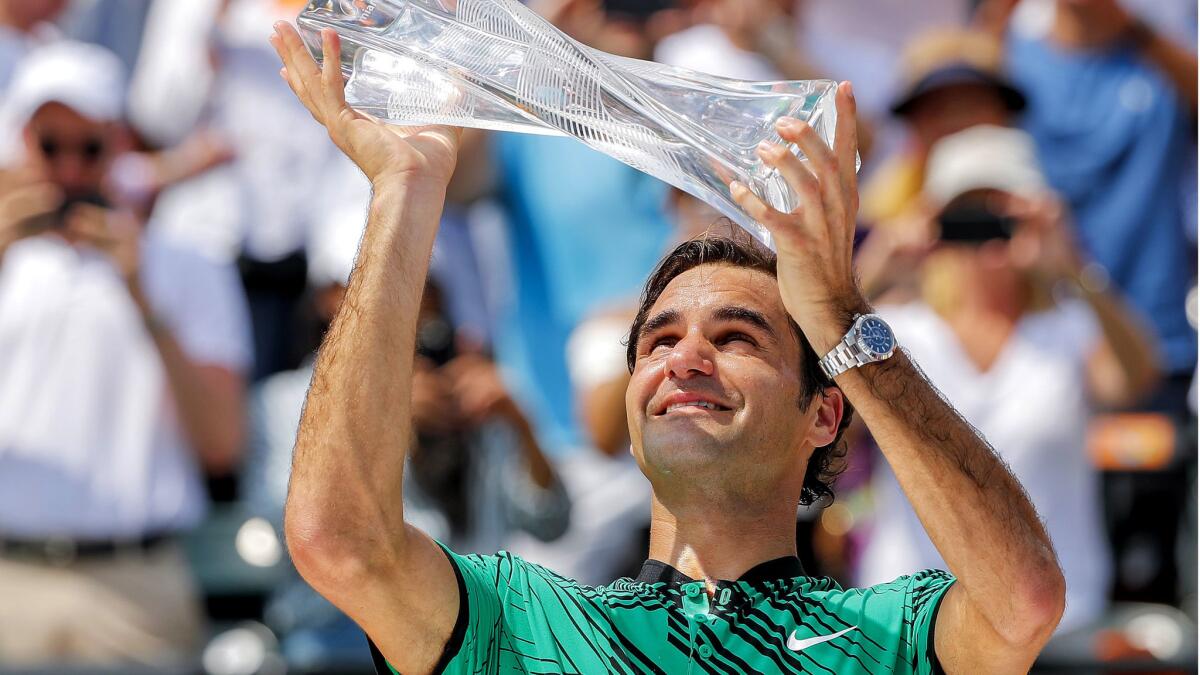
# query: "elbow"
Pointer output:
{"type": "Point", "coordinates": [321, 552]}
{"type": "Point", "coordinates": [1039, 603]}
{"type": "Point", "coordinates": [335, 549]}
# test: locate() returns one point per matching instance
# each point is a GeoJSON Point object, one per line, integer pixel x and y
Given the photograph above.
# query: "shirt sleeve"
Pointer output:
{"type": "Point", "coordinates": [923, 596]}
{"type": "Point", "coordinates": [214, 327]}
{"type": "Point", "coordinates": [498, 612]}
{"type": "Point", "coordinates": [900, 617]}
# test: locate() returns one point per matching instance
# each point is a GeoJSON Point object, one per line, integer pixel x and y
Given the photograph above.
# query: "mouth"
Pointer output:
{"type": "Point", "coordinates": [683, 403]}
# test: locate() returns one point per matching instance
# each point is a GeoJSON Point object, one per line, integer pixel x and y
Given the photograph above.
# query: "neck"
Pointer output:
{"type": "Point", "coordinates": [716, 542]}
{"type": "Point", "coordinates": [996, 296]}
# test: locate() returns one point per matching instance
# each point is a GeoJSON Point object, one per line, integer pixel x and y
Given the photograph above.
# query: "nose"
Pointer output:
{"type": "Point", "coordinates": [689, 357]}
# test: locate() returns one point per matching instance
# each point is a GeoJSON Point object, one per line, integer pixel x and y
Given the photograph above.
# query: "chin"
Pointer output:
{"type": "Point", "coordinates": [683, 448]}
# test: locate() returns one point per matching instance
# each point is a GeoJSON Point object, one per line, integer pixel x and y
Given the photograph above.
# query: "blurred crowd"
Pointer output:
{"type": "Point", "coordinates": [176, 234]}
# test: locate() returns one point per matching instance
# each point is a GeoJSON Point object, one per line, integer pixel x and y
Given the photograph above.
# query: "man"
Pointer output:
{"type": "Point", "coordinates": [727, 412]}
{"type": "Point", "coordinates": [992, 319]}
{"type": "Point", "coordinates": [122, 366]}
{"type": "Point", "coordinates": [1127, 175]}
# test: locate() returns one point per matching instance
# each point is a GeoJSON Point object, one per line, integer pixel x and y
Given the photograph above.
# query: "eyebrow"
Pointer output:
{"type": "Point", "coordinates": [726, 313]}
{"type": "Point", "coordinates": [658, 321]}
{"type": "Point", "coordinates": [750, 316]}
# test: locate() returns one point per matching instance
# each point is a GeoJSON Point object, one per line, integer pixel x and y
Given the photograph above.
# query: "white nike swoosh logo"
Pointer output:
{"type": "Point", "coordinates": [800, 645]}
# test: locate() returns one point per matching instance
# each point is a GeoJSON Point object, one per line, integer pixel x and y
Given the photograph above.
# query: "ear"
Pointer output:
{"type": "Point", "coordinates": [828, 406]}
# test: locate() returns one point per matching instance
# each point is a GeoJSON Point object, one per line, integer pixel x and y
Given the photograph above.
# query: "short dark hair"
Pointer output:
{"type": "Point", "coordinates": [741, 251]}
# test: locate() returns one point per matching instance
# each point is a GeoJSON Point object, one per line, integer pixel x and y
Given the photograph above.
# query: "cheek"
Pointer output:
{"type": "Point", "coordinates": [643, 383]}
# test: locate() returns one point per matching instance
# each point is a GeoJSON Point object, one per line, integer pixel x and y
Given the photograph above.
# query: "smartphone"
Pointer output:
{"type": "Point", "coordinates": [975, 222]}
{"type": "Point", "coordinates": [636, 10]}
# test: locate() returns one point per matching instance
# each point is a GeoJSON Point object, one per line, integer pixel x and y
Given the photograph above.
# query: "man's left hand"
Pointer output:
{"type": "Point", "coordinates": [815, 242]}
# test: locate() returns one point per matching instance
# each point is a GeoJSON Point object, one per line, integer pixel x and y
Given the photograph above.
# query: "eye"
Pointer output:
{"type": "Point", "coordinates": [737, 337]}
{"type": "Point", "coordinates": [662, 341]}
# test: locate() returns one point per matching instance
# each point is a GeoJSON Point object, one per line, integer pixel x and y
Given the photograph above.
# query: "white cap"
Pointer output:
{"type": "Point", "coordinates": [981, 157]}
{"type": "Point", "coordinates": [87, 78]}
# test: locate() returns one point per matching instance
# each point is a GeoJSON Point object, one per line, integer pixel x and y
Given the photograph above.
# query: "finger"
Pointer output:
{"type": "Point", "coordinates": [333, 89]}
{"type": "Point", "coordinates": [302, 72]}
{"type": "Point", "coordinates": [799, 177]}
{"type": "Point", "coordinates": [763, 214]}
{"type": "Point", "coordinates": [822, 165]}
{"type": "Point", "coordinates": [845, 136]}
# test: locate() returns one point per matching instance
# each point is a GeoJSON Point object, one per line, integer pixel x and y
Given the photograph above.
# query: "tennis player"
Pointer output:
{"type": "Point", "coordinates": [744, 370]}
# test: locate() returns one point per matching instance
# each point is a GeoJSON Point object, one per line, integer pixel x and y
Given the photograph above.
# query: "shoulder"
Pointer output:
{"type": "Point", "coordinates": [893, 621]}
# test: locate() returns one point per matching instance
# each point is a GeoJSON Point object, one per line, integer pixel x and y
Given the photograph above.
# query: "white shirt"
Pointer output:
{"type": "Point", "coordinates": [1032, 406]}
{"type": "Point", "coordinates": [90, 444]}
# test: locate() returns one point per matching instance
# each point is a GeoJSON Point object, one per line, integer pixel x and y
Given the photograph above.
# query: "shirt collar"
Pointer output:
{"type": "Point", "coordinates": [787, 567]}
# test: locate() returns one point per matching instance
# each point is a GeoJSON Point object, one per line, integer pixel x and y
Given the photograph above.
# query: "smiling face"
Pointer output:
{"type": "Point", "coordinates": [715, 395]}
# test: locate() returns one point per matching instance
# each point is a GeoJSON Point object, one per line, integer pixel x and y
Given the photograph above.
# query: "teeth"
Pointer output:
{"type": "Point", "coordinates": [696, 404]}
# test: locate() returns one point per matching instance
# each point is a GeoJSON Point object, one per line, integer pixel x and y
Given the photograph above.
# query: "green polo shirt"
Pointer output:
{"type": "Point", "coordinates": [518, 617]}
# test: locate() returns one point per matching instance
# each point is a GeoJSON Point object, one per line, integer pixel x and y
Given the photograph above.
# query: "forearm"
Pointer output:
{"type": "Point", "coordinates": [541, 473]}
{"type": "Point", "coordinates": [348, 464]}
{"type": "Point", "coordinates": [212, 416]}
{"type": "Point", "coordinates": [960, 489]}
{"type": "Point", "coordinates": [963, 494]}
{"type": "Point", "coordinates": [208, 400]}
{"type": "Point", "coordinates": [1132, 351]}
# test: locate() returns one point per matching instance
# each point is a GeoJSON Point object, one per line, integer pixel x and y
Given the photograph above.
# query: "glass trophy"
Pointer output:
{"type": "Point", "coordinates": [495, 64]}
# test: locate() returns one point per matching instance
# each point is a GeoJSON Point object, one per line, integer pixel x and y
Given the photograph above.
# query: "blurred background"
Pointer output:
{"type": "Point", "coordinates": [176, 234]}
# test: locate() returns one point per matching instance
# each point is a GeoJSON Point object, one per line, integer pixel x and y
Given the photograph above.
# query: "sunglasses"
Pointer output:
{"type": "Point", "coordinates": [90, 150]}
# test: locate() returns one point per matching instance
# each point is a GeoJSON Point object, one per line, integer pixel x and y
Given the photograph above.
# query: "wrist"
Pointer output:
{"type": "Point", "coordinates": [828, 326]}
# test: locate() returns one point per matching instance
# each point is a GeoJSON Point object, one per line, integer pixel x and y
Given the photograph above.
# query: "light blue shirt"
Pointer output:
{"type": "Point", "coordinates": [1117, 141]}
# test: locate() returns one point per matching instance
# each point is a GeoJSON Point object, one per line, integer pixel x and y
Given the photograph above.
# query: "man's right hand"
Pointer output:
{"type": "Point", "coordinates": [418, 155]}
{"type": "Point", "coordinates": [23, 200]}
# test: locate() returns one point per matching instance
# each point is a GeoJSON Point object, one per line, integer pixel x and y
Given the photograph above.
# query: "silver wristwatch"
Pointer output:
{"type": "Point", "coordinates": [869, 339]}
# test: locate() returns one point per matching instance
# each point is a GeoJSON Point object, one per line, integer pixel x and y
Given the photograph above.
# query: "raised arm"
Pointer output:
{"type": "Point", "coordinates": [1010, 592]}
{"type": "Point", "coordinates": [344, 518]}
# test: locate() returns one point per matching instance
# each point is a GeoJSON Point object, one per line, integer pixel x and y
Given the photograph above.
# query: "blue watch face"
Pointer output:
{"type": "Point", "coordinates": [876, 337]}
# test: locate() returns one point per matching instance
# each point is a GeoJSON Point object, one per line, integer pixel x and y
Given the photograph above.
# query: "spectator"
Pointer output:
{"type": "Point", "coordinates": [1024, 368]}
{"type": "Point", "coordinates": [475, 477]}
{"type": "Point", "coordinates": [207, 64]}
{"type": "Point", "coordinates": [1112, 107]}
{"type": "Point", "coordinates": [954, 80]}
{"type": "Point", "coordinates": [122, 362]}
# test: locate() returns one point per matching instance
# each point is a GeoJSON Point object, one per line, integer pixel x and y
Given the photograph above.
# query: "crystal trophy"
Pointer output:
{"type": "Point", "coordinates": [495, 64]}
